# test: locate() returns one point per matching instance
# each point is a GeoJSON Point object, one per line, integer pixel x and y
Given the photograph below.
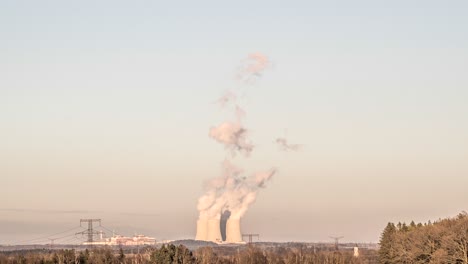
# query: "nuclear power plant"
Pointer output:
{"type": "Point", "coordinates": [228, 196]}
{"type": "Point", "coordinates": [224, 229]}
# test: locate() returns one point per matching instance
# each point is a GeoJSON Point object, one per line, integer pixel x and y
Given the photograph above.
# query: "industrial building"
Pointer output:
{"type": "Point", "coordinates": [119, 240]}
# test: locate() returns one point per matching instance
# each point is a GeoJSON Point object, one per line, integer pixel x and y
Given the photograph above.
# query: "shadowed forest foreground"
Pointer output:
{"type": "Point", "coordinates": [444, 241]}
{"type": "Point", "coordinates": [169, 254]}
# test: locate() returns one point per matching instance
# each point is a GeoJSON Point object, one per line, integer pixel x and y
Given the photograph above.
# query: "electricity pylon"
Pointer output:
{"type": "Point", "coordinates": [250, 236]}
{"type": "Point", "coordinates": [90, 232]}
{"type": "Point", "coordinates": [337, 239]}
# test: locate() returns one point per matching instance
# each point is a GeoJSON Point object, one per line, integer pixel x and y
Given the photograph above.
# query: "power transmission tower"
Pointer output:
{"type": "Point", "coordinates": [337, 240]}
{"type": "Point", "coordinates": [250, 236]}
{"type": "Point", "coordinates": [52, 242]}
{"type": "Point", "coordinates": [90, 232]}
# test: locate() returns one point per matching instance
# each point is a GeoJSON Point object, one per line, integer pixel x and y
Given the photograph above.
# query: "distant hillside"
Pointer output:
{"type": "Point", "coordinates": [193, 244]}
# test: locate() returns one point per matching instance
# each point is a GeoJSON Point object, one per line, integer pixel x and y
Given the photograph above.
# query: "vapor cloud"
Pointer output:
{"type": "Point", "coordinates": [285, 146]}
{"type": "Point", "coordinates": [227, 98]}
{"type": "Point", "coordinates": [252, 68]}
{"type": "Point", "coordinates": [233, 136]}
{"type": "Point", "coordinates": [231, 191]}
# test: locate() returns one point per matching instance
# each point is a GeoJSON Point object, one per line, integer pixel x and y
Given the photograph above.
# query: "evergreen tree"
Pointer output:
{"type": "Point", "coordinates": [121, 257]}
{"type": "Point", "coordinates": [83, 257]}
{"type": "Point", "coordinates": [387, 248]}
{"type": "Point", "coordinates": [399, 226]}
{"type": "Point", "coordinates": [404, 227]}
{"type": "Point", "coordinates": [170, 254]}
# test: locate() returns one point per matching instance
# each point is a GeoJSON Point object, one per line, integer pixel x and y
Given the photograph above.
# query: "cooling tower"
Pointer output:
{"type": "Point", "coordinates": [233, 232]}
{"type": "Point", "coordinates": [202, 230]}
{"type": "Point", "coordinates": [214, 232]}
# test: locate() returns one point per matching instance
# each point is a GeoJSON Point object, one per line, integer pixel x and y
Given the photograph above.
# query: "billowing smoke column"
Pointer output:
{"type": "Point", "coordinates": [232, 191]}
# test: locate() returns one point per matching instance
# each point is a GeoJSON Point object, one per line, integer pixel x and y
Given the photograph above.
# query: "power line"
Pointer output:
{"type": "Point", "coordinates": [72, 239]}
{"type": "Point", "coordinates": [112, 231]}
{"type": "Point", "coordinates": [52, 240]}
{"type": "Point", "coordinates": [45, 238]}
{"type": "Point", "coordinates": [74, 235]}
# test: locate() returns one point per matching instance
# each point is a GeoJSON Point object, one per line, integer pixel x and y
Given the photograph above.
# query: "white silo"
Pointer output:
{"type": "Point", "coordinates": [356, 252]}
{"type": "Point", "coordinates": [214, 231]}
{"type": "Point", "coordinates": [233, 232]}
{"type": "Point", "coordinates": [202, 230]}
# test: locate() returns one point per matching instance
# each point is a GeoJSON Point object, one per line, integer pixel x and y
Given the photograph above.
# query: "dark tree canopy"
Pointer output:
{"type": "Point", "coordinates": [444, 241]}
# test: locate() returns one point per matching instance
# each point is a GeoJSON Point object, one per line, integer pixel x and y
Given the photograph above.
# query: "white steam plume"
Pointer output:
{"type": "Point", "coordinates": [285, 146]}
{"type": "Point", "coordinates": [226, 99]}
{"type": "Point", "coordinates": [246, 193]}
{"type": "Point", "coordinates": [231, 192]}
{"type": "Point", "coordinates": [252, 68]}
{"type": "Point", "coordinates": [233, 136]}
{"type": "Point", "coordinates": [214, 189]}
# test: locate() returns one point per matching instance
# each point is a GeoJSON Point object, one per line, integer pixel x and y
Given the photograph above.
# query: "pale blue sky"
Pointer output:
{"type": "Point", "coordinates": [105, 107]}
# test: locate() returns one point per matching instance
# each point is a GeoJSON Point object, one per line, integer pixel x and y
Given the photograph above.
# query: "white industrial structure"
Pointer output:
{"type": "Point", "coordinates": [202, 230]}
{"type": "Point", "coordinates": [119, 240]}
{"type": "Point", "coordinates": [210, 230]}
{"type": "Point", "coordinates": [214, 230]}
{"type": "Point", "coordinates": [356, 252]}
{"type": "Point", "coordinates": [233, 232]}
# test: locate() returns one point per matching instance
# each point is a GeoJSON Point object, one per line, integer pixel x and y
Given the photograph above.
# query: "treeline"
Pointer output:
{"type": "Point", "coordinates": [64, 256]}
{"type": "Point", "coordinates": [171, 254]}
{"type": "Point", "coordinates": [282, 255]}
{"type": "Point", "coordinates": [444, 241]}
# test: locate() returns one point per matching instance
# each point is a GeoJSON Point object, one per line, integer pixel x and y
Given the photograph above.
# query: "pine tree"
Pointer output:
{"type": "Point", "coordinates": [404, 227]}
{"type": "Point", "coordinates": [399, 226]}
{"type": "Point", "coordinates": [121, 257]}
{"type": "Point", "coordinates": [387, 251]}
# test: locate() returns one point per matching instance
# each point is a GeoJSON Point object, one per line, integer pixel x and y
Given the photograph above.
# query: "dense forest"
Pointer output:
{"type": "Point", "coordinates": [171, 254]}
{"type": "Point", "coordinates": [444, 241]}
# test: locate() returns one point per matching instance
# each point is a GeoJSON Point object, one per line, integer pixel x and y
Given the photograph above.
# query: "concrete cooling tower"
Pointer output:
{"type": "Point", "coordinates": [214, 231]}
{"type": "Point", "coordinates": [202, 230]}
{"type": "Point", "coordinates": [233, 232]}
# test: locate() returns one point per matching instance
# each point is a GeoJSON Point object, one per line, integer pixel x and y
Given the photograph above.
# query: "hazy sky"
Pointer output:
{"type": "Point", "coordinates": [105, 108]}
